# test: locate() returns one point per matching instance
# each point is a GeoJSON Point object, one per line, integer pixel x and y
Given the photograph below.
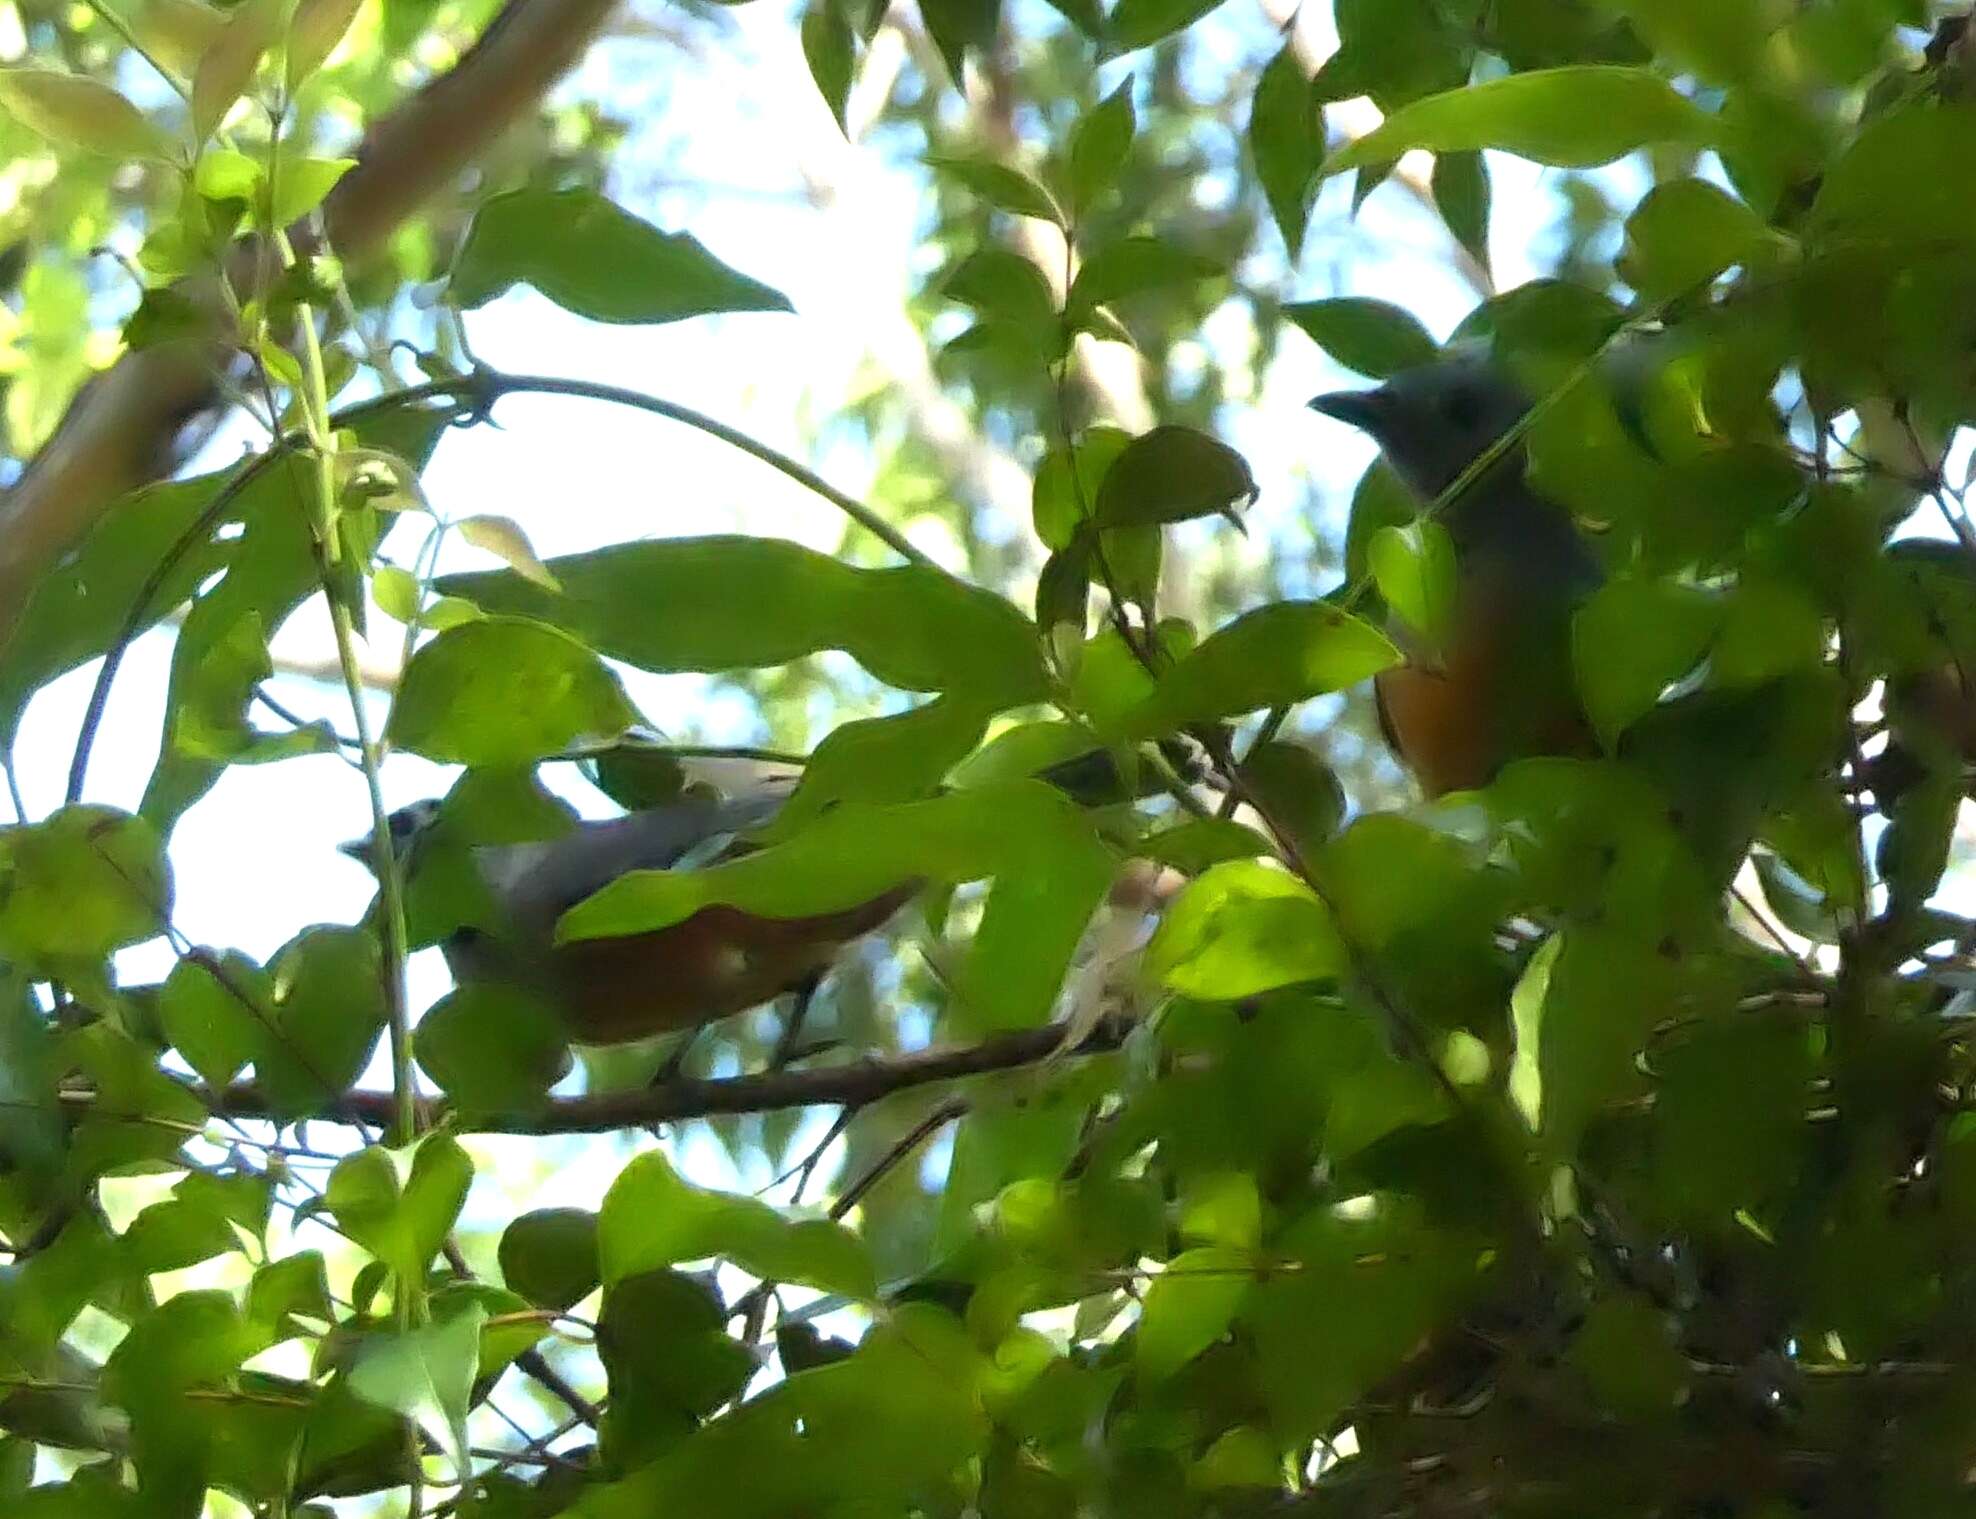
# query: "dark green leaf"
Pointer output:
{"type": "Point", "coordinates": [1685, 233]}
{"type": "Point", "coordinates": [1099, 144]}
{"type": "Point", "coordinates": [596, 259]}
{"type": "Point", "coordinates": [426, 1374]}
{"type": "Point", "coordinates": [1131, 266]}
{"type": "Point", "coordinates": [1414, 568]}
{"type": "Point", "coordinates": [1296, 790]}
{"type": "Point", "coordinates": [1373, 337]}
{"type": "Point", "coordinates": [958, 26]}
{"type": "Point", "coordinates": [1170, 475]}
{"type": "Point", "coordinates": [1632, 640]}
{"type": "Point", "coordinates": [502, 691]}
{"type": "Point", "coordinates": [1286, 139]}
{"type": "Point", "coordinates": [400, 1204]}
{"type": "Point", "coordinates": [1002, 185]}
{"type": "Point", "coordinates": [652, 1218]}
{"type": "Point", "coordinates": [325, 1021]}
{"type": "Point", "coordinates": [1624, 1351]}
{"type": "Point", "coordinates": [881, 759]}
{"type": "Point", "coordinates": [832, 54]}
{"type": "Point", "coordinates": [493, 1048]}
{"type": "Point", "coordinates": [1275, 656]}
{"type": "Point", "coordinates": [914, 628]}
{"type": "Point", "coordinates": [550, 1256]}
{"type": "Point", "coordinates": [1141, 23]}
{"type": "Point", "coordinates": [1188, 1307]}
{"type": "Point", "coordinates": [1060, 503]}
{"type": "Point", "coordinates": [1007, 288]}
{"type": "Point", "coordinates": [1574, 117]}
{"type": "Point", "coordinates": [1461, 194]}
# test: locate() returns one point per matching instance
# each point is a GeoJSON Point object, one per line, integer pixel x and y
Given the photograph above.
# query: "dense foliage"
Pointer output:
{"type": "Point", "coordinates": [1594, 1142]}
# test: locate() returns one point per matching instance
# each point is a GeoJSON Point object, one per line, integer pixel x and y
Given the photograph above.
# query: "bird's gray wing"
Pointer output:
{"type": "Point", "coordinates": [536, 883]}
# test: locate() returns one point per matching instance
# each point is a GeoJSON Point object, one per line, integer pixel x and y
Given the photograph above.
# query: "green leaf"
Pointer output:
{"type": "Point", "coordinates": [1099, 145]}
{"type": "Point", "coordinates": [1373, 337]}
{"type": "Point", "coordinates": [1414, 568]}
{"type": "Point", "coordinates": [550, 1256]}
{"type": "Point", "coordinates": [1049, 868]}
{"type": "Point", "coordinates": [1770, 627]}
{"type": "Point", "coordinates": [596, 259]}
{"type": "Point", "coordinates": [427, 1375]}
{"type": "Point", "coordinates": [957, 26]}
{"type": "Point", "coordinates": [652, 1218]}
{"type": "Point", "coordinates": [502, 691]}
{"type": "Point", "coordinates": [1240, 928]}
{"type": "Point", "coordinates": [1885, 188]}
{"type": "Point", "coordinates": [1006, 287]}
{"type": "Point", "coordinates": [831, 52]}
{"type": "Point", "coordinates": [1722, 43]}
{"type": "Point", "coordinates": [1460, 187]}
{"type": "Point", "coordinates": [1624, 1351]}
{"type": "Point", "coordinates": [227, 68]}
{"type": "Point", "coordinates": [493, 1048]}
{"type": "Point", "coordinates": [1286, 139]}
{"type": "Point", "coordinates": [1141, 23]}
{"type": "Point", "coordinates": [313, 33]}
{"type": "Point", "coordinates": [663, 1341]}
{"type": "Point", "coordinates": [400, 1204]}
{"type": "Point", "coordinates": [73, 110]}
{"type": "Point", "coordinates": [1632, 640]}
{"type": "Point", "coordinates": [1191, 847]}
{"type": "Point", "coordinates": [1131, 266]}
{"type": "Point", "coordinates": [1002, 185]}
{"type": "Point", "coordinates": [1685, 233]}
{"type": "Point", "coordinates": [914, 628]}
{"type": "Point", "coordinates": [1275, 656]}
{"type": "Point", "coordinates": [226, 174]}
{"type": "Point", "coordinates": [283, 1289]}
{"type": "Point", "coordinates": [206, 1022]}
{"type": "Point", "coordinates": [301, 184]}
{"type": "Point", "coordinates": [178, 32]}
{"type": "Point", "coordinates": [1188, 1307]}
{"type": "Point", "coordinates": [270, 568]}
{"type": "Point", "coordinates": [1222, 1208]}
{"type": "Point", "coordinates": [329, 1009]}
{"type": "Point", "coordinates": [1061, 503]}
{"type": "Point", "coordinates": [504, 538]}
{"type": "Point", "coordinates": [1583, 1008]}
{"type": "Point", "coordinates": [80, 883]}
{"type": "Point", "coordinates": [881, 759]}
{"type": "Point", "coordinates": [1296, 790]}
{"type": "Point", "coordinates": [1170, 475]}
{"type": "Point", "coordinates": [1573, 117]}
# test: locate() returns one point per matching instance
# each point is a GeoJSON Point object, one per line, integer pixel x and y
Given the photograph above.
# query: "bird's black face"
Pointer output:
{"type": "Point", "coordinates": [1434, 421]}
{"type": "Point", "coordinates": [407, 823]}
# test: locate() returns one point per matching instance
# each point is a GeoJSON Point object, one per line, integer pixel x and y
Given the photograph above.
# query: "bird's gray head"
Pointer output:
{"type": "Point", "coordinates": [407, 825]}
{"type": "Point", "coordinates": [1431, 422]}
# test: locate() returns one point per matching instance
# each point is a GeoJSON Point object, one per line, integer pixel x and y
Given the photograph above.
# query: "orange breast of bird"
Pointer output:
{"type": "Point", "coordinates": [719, 961]}
{"type": "Point", "coordinates": [1502, 689]}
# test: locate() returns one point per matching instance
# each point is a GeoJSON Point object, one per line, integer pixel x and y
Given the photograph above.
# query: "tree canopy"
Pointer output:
{"type": "Point", "coordinates": [1224, 1129]}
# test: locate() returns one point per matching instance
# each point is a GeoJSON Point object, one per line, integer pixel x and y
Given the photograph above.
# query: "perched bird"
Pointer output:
{"type": "Point", "coordinates": [1502, 688]}
{"type": "Point", "coordinates": [499, 903]}
{"type": "Point", "coordinates": [719, 961]}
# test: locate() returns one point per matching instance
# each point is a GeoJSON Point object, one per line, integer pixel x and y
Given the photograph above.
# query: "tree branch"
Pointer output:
{"type": "Point", "coordinates": [118, 430]}
{"type": "Point", "coordinates": [854, 1084]}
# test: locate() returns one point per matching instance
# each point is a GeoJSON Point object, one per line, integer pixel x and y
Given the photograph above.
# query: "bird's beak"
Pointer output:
{"type": "Point", "coordinates": [1363, 409]}
{"type": "Point", "coordinates": [357, 849]}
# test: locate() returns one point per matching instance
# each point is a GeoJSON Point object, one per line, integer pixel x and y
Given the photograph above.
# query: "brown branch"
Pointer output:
{"type": "Point", "coordinates": [118, 431]}
{"type": "Point", "coordinates": [855, 1084]}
